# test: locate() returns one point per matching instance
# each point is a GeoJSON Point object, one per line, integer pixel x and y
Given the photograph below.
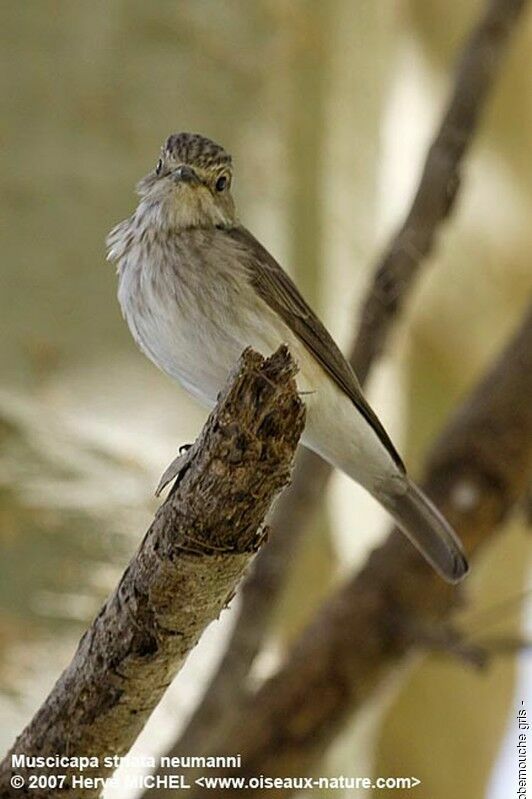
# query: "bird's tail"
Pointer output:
{"type": "Point", "coordinates": [427, 529]}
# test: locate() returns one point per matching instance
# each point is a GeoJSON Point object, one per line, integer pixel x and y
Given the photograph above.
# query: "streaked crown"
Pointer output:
{"type": "Point", "coordinates": [196, 150]}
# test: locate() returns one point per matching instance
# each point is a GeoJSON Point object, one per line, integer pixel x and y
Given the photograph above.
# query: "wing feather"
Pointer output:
{"type": "Point", "coordinates": [276, 289]}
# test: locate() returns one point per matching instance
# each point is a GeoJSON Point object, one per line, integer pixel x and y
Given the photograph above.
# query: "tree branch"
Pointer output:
{"type": "Point", "coordinates": [476, 70]}
{"type": "Point", "coordinates": [477, 471]}
{"type": "Point", "coordinates": [185, 572]}
{"type": "Point", "coordinates": [445, 639]}
{"type": "Point", "coordinates": [394, 279]}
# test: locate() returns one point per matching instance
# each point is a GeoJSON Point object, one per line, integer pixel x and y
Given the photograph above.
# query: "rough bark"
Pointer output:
{"type": "Point", "coordinates": [394, 279]}
{"type": "Point", "coordinates": [477, 471]}
{"type": "Point", "coordinates": [184, 573]}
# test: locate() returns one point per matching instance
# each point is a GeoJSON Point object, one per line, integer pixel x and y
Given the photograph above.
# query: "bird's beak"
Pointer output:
{"type": "Point", "coordinates": [185, 174]}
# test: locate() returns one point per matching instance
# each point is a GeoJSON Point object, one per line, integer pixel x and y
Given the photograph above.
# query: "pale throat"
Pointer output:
{"type": "Point", "coordinates": [173, 213]}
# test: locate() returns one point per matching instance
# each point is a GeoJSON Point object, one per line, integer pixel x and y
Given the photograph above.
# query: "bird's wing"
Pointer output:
{"type": "Point", "coordinates": [279, 292]}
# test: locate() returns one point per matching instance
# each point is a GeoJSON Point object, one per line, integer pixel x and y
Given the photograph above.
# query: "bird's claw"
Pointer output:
{"type": "Point", "coordinates": [174, 470]}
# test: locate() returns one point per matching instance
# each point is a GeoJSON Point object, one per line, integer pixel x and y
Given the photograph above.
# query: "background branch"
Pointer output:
{"type": "Point", "coordinates": [476, 70]}
{"type": "Point", "coordinates": [183, 575]}
{"type": "Point", "coordinates": [394, 280]}
{"type": "Point", "coordinates": [475, 651]}
{"type": "Point", "coordinates": [478, 469]}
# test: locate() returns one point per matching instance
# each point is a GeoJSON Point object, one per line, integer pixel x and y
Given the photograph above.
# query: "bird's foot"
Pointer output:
{"type": "Point", "coordinates": [174, 470]}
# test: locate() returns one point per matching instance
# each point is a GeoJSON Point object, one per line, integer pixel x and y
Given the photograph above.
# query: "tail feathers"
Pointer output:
{"type": "Point", "coordinates": [427, 529]}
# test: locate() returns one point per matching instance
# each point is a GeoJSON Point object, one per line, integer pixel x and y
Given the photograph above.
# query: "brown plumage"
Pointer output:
{"type": "Point", "coordinates": [196, 288]}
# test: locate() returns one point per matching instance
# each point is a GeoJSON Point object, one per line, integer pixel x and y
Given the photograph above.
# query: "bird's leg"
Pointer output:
{"type": "Point", "coordinates": [174, 470]}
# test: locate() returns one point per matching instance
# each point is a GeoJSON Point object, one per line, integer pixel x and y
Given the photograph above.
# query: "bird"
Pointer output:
{"type": "Point", "coordinates": [196, 288]}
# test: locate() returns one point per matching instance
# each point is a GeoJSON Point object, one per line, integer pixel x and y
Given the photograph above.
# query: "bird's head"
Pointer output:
{"type": "Point", "coordinates": [190, 185]}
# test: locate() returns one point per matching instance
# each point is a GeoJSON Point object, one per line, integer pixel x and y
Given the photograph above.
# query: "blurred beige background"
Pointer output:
{"type": "Point", "coordinates": [327, 108]}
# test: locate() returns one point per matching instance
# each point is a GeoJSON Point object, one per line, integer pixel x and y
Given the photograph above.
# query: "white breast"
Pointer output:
{"type": "Point", "coordinates": [192, 310]}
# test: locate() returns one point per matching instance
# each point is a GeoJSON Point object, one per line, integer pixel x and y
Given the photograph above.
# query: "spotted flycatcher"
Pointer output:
{"type": "Point", "coordinates": [196, 288]}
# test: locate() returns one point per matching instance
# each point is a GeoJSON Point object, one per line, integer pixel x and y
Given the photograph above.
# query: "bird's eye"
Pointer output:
{"type": "Point", "coordinates": [221, 183]}
{"type": "Point", "coordinates": [159, 167]}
